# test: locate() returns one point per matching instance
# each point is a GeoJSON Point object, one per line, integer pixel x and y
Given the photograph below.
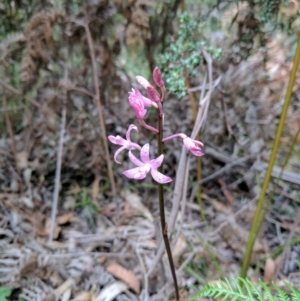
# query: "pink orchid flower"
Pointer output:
{"type": "Point", "coordinates": [193, 146]}
{"type": "Point", "coordinates": [146, 165]}
{"type": "Point", "coordinates": [126, 143]}
{"type": "Point", "coordinates": [190, 144]}
{"type": "Point", "coordinates": [138, 102]}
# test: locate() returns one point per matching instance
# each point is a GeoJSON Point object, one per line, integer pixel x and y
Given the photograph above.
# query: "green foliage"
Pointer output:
{"type": "Point", "coordinates": [243, 289]}
{"type": "Point", "coordinates": [270, 14]}
{"type": "Point", "coordinates": [183, 55]}
{"type": "Point", "coordinates": [5, 293]}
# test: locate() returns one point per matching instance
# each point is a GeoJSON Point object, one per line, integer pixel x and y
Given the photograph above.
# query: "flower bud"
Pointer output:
{"type": "Point", "coordinates": [151, 91]}
{"type": "Point", "coordinates": [157, 77]}
{"type": "Point", "coordinates": [153, 94]}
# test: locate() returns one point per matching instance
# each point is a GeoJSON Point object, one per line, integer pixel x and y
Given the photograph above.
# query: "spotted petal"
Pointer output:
{"type": "Point", "coordinates": [145, 153]}
{"type": "Point", "coordinates": [135, 160]}
{"type": "Point", "coordinates": [137, 173]}
{"type": "Point", "coordinates": [155, 163]}
{"type": "Point", "coordinates": [159, 177]}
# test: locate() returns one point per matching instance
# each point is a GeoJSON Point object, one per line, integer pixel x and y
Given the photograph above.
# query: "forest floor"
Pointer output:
{"type": "Point", "coordinates": [104, 245]}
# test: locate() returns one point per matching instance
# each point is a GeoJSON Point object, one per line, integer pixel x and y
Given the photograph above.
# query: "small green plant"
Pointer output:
{"type": "Point", "coordinates": [89, 207]}
{"type": "Point", "coordinates": [243, 289]}
{"type": "Point", "coordinates": [5, 292]}
{"type": "Point", "coordinates": [183, 55]}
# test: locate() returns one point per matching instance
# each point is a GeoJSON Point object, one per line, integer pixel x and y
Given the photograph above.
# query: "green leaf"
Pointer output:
{"type": "Point", "coordinates": [4, 293]}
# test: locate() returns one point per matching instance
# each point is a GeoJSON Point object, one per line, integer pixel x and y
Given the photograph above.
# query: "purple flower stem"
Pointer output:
{"type": "Point", "coordinates": [147, 126]}
{"type": "Point", "coordinates": [164, 226]}
{"type": "Point", "coordinates": [174, 136]}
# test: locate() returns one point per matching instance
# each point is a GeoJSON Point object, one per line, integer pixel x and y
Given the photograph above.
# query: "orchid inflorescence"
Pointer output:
{"type": "Point", "coordinates": [139, 103]}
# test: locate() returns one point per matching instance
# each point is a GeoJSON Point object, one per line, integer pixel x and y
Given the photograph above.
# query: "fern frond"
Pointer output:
{"type": "Point", "coordinates": [252, 287]}
{"type": "Point", "coordinates": [224, 290]}
{"type": "Point", "coordinates": [243, 289]}
{"type": "Point", "coordinates": [281, 293]}
{"type": "Point", "coordinates": [295, 295]}
{"type": "Point", "coordinates": [10, 39]}
{"type": "Point", "coordinates": [267, 290]}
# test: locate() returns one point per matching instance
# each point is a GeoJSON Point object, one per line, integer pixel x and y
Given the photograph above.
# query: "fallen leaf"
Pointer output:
{"type": "Point", "coordinates": [101, 259]}
{"type": "Point", "coordinates": [65, 218]}
{"type": "Point", "coordinates": [27, 201]}
{"type": "Point", "coordinates": [95, 190]}
{"type": "Point", "coordinates": [135, 202]}
{"type": "Point", "coordinates": [179, 249]}
{"type": "Point", "coordinates": [225, 191]}
{"type": "Point", "coordinates": [270, 267]}
{"type": "Point", "coordinates": [83, 296]}
{"type": "Point", "coordinates": [65, 286]}
{"type": "Point", "coordinates": [22, 159]}
{"type": "Point", "coordinates": [111, 291]}
{"type": "Point", "coordinates": [57, 228]}
{"type": "Point", "coordinates": [66, 295]}
{"type": "Point", "coordinates": [126, 275]}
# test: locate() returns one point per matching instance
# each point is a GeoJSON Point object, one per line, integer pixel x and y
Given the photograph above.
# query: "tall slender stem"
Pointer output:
{"type": "Point", "coordinates": [164, 226]}
{"type": "Point", "coordinates": [258, 213]}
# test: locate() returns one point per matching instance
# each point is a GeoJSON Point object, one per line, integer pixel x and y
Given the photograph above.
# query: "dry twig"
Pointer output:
{"type": "Point", "coordinates": [59, 156]}
{"type": "Point", "coordinates": [99, 108]}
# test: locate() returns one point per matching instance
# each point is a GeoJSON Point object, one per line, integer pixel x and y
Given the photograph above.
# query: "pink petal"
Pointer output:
{"type": "Point", "coordinates": [147, 102]}
{"type": "Point", "coordinates": [193, 146]}
{"type": "Point", "coordinates": [135, 160]}
{"type": "Point", "coordinates": [136, 173]}
{"type": "Point", "coordinates": [159, 177]}
{"type": "Point", "coordinates": [155, 163]}
{"type": "Point", "coordinates": [131, 127]}
{"type": "Point", "coordinates": [117, 153]}
{"type": "Point", "coordinates": [117, 140]}
{"type": "Point", "coordinates": [137, 94]}
{"type": "Point", "coordinates": [142, 81]}
{"type": "Point", "coordinates": [137, 104]}
{"type": "Point", "coordinates": [145, 153]}
{"type": "Point", "coordinates": [197, 153]}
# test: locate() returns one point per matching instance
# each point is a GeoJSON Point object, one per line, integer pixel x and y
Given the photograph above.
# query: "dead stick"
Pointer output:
{"type": "Point", "coordinates": [12, 138]}
{"type": "Point", "coordinates": [99, 108]}
{"type": "Point", "coordinates": [59, 157]}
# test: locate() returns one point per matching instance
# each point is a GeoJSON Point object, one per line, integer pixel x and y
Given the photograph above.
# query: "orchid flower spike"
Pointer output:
{"type": "Point", "coordinates": [146, 165]}
{"type": "Point", "coordinates": [126, 143]}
